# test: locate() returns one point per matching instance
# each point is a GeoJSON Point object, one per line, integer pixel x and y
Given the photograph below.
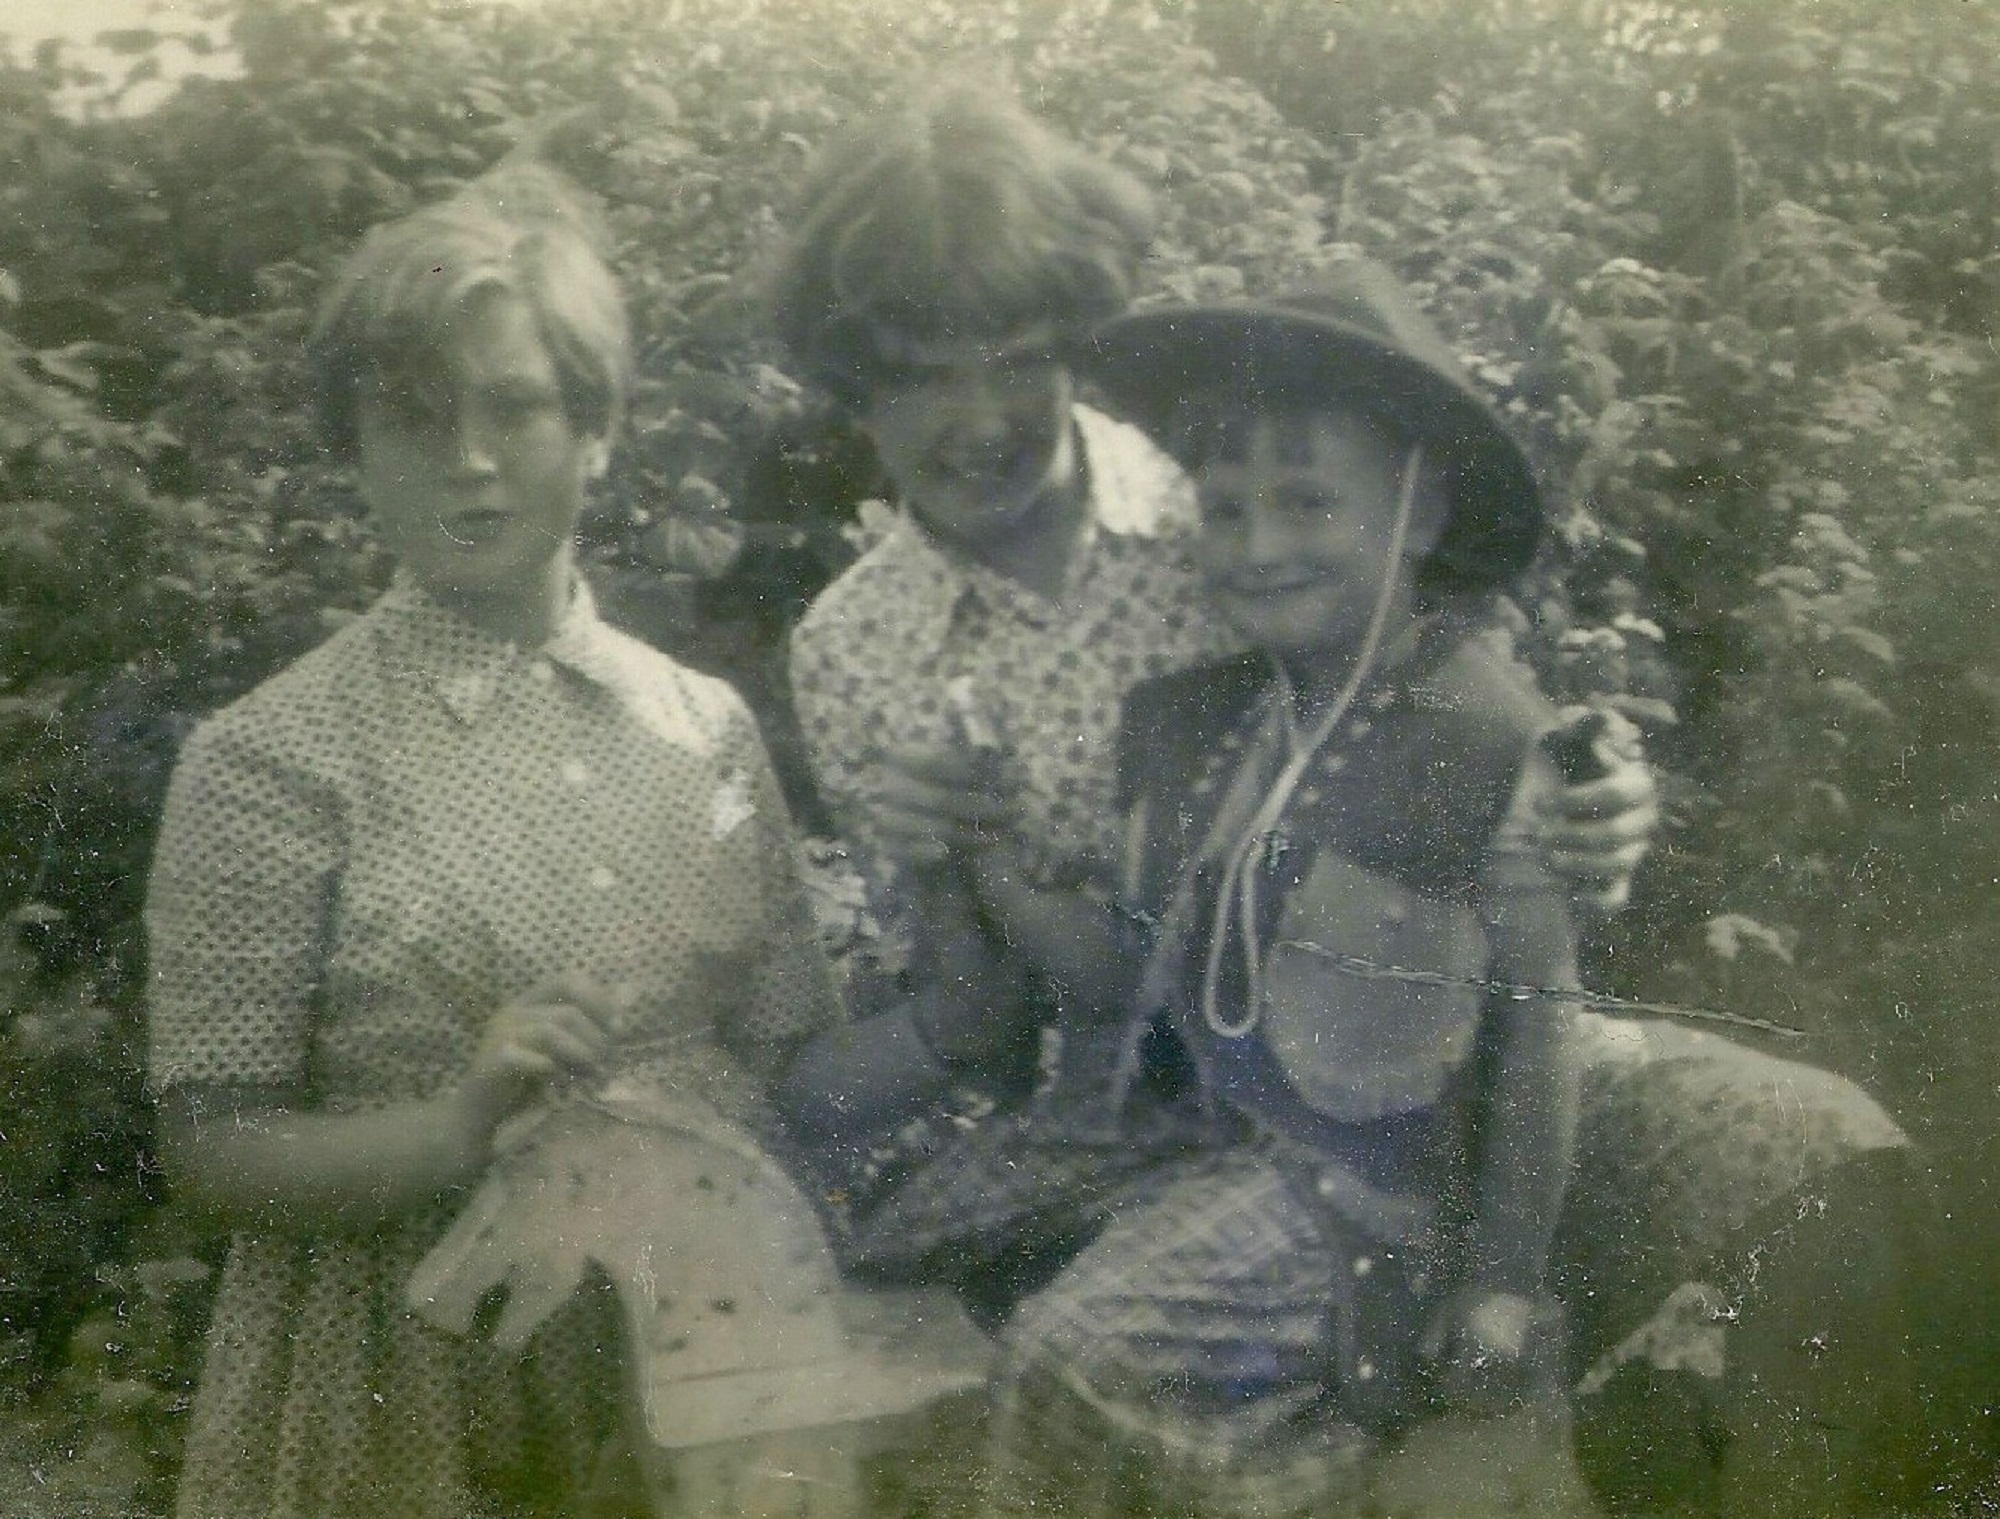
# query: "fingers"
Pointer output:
{"type": "Point", "coordinates": [1598, 897]}
{"type": "Point", "coordinates": [1594, 834]}
{"type": "Point", "coordinates": [946, 767]}
{"type": "Point", "coordinates": [1594, 862]}
{"type": "Point", "coordinates": [607, 1006]}
{"type": "Point", "coordinates": [930, 803]}
{"type": "Point", "coordinates": [528, 1043]}
{"type": "Point", "coordinates": [1624, 792]}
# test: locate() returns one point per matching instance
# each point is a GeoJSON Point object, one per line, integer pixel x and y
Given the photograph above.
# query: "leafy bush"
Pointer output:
{"type": "Point", "coordinates": [1731, 267]}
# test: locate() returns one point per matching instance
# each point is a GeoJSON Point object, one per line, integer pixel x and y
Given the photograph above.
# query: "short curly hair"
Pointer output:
{"type": "Point", "coordinates": [521, 229]}
{"type": "Point", "coordinates": [956, 216]}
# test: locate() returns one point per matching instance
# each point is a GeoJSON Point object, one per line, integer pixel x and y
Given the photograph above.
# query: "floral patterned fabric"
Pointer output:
{"type": "Point", "coordinates": [911, 632]}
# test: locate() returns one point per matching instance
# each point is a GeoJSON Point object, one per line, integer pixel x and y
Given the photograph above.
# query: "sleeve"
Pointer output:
{"type": "Point", "coordinates": [1524, 908]}
{"type": "Point", "coordinates": [828, 697]}
{"type": "Point", "coordinates": [237, 913]}
{"type": "Point", "coordinates": [836, 740]}
{"type": "Point", "coordinates": [792, 994]}
{"type": "Point", "coordinates": [1532, 1079]}
{"type": "Point", "coordinates": [1513, 856]}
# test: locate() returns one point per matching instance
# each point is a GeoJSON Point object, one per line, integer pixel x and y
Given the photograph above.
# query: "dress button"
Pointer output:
{"type": "Point", "coordinates": [602, 877]}
{"type": "Point", "coordinates": [1365, 1371]}
{"type": "Point", "coordinates": [576, 773]}
{"type": "Point", "coordinates": [1363, 1264]}
{"type": "Point", "coordinates": [542, 671]}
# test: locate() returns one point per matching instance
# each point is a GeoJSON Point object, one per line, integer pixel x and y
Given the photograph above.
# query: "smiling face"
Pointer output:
{"type": "Point", "coordinates": [975, 435]}
{"type": "Point", "coordinates": [1297, 514]}
{"type": "Point", "coordinates": [475, 472]}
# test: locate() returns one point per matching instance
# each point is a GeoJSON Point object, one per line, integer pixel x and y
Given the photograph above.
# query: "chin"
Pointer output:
{"type": "Point", "coordinates": [474, 576]}
{"type": "Point", "coordinates": [1274, 628]}
{"type": "Point", "coordinates": [973, 514]}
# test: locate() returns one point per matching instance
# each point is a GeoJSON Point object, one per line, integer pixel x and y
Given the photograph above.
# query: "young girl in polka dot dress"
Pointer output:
{"type": "Point", "coordinates": [474, 943]}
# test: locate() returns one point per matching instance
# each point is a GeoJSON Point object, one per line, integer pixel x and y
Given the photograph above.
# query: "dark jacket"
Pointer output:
{"type": "Point", "coordinates": [1386, 854]}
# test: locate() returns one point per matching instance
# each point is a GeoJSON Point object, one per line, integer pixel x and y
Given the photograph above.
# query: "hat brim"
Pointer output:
{"type": "Point", "coordinates": [1148, 363]}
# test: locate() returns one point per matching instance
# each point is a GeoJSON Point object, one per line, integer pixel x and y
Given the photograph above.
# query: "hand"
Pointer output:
{"type": "Point", "coordinates": [1594, 832]}
{"type": "Point", "coordinates": [1071, 934]}
{"type": "Point", "coordinates": [990, 1035]}
{"type": "Point", "coordinates": [1483, 1343]}
{"type": "Point", "coordinates": [932, 802]}
{"type": "Point", "coordinates": [528, 1044]}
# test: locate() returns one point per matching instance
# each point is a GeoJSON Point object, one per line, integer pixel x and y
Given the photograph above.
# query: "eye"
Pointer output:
{"type": "Point", "coordinates": [1223, 508]}
{"type": "Point", "coordinates": [1292, 442]}
{"type": "Point", "coordinates": [410, 409]}
{"type": "Point", "coordinates": [1314, 502]}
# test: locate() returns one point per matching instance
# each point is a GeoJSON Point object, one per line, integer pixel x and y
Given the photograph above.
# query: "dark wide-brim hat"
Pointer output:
{"type": "Point", "coordinates": [1353, 337]}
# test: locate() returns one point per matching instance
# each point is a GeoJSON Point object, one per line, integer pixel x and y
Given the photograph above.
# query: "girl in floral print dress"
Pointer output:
{"type": "Point", "coordinates": [475, 941]}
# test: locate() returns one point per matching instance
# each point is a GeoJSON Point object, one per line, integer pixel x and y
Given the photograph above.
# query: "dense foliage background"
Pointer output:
{"type": "Point", "coordinates": [1733, 268]}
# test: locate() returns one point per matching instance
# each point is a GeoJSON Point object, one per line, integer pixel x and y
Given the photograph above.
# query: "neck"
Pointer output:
{"type": "Point", "coordinates": [1039, 553]}
{"type": "Point", "coordinates": [525, 617]}
{"type": "Point", "coordinates": [1317, 675]}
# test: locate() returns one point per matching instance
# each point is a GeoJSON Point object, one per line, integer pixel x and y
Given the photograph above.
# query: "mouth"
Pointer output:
{"type": "Point", "coordinates": [1269, 587]}
{"type": "Point", "coordinates": [473, 527]}
{"type": "Point", "coordinates": [1000, 462]}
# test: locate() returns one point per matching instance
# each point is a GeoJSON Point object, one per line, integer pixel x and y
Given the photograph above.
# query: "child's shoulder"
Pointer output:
{"type": "Point", "coordinates": [300, 710]}
{"type": "Point", "coordinates": [1479, 677]}
{"type": "Point", "coordinates": [1187, 708]}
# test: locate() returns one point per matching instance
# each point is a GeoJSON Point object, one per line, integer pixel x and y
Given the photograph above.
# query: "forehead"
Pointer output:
{"type": "Point", "coordinates": [1035, 343]}
{"type": "Point", "coordinates": [496, 335]}
{"type": "Point", "coordinates": [1234, 436]}
{"type": "Point", "coordinates": [492, 336]}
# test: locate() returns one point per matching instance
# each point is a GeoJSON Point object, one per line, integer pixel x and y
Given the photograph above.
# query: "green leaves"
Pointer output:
{"type": "Point", "coordinates": [1731, 270]}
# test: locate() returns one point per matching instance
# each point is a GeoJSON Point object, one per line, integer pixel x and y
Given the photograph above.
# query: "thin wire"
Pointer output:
{"type": "Point", "coordinates": [1375, 970]}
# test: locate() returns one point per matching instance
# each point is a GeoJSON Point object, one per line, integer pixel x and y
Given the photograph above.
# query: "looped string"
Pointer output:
{"type": "Point", "coordinates": [1237, 898]}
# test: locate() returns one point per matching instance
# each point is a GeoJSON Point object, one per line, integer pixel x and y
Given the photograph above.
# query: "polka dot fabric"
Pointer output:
{"type": "Point", "coordinates": [360, 860]}
{"type": "Point", "coordinates": [885, 652]}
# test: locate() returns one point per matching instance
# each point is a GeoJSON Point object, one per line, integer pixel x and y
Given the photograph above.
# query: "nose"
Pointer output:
{"type": "Point", "coordinates": [477, 445]}
{"type": "Point", "coordinates": [1267, 539]}
{"type": "Point", "coordinates": [974, 404]}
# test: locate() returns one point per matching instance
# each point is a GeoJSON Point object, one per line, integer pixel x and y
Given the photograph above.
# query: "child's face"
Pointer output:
{"type": "Point", "coordinates": [974, 433]}
{"type": "Point", "coordinates": [472, 468]}
{"type": "Point", "coordinates": [1297, 512]}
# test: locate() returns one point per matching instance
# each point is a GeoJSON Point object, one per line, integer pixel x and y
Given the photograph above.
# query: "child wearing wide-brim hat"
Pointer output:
{"type": "Point", "coordinates": [1352, 339]}
{"type": "Point", "coordinates": [1334, 834]}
